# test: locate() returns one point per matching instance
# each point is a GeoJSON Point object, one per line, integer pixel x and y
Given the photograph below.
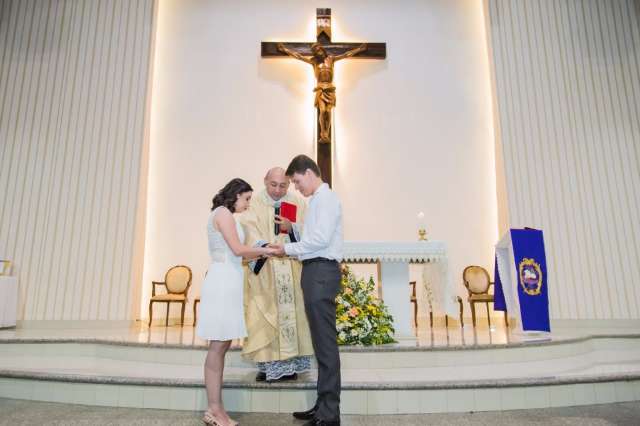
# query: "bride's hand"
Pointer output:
{"type": "Point", "coordinates": [278, 249]}
{"type": "Point", "coordinates": [272, 251]}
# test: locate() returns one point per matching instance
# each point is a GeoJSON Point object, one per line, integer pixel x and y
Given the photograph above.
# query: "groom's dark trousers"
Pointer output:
{"type": "Point", "coordinates": [320, 286]}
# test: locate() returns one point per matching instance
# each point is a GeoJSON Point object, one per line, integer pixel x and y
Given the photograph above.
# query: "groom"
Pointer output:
{"type": "Point", "coordinates": [320, 250]}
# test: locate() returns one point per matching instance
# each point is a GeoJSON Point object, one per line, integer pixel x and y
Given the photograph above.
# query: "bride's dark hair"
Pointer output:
{"type": "Point", "coordinates": [228, 195]}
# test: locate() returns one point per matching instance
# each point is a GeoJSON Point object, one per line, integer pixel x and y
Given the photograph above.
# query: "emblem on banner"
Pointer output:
{"type": "Point", "coordinates": [530, 277]}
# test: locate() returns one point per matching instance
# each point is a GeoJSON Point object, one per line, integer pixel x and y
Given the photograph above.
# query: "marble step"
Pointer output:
{"type": "Point", "coordinates": [569, 362]}
{"type": "Point", "coordinates": [405, 354]}
{"type": "Point", "coordinates": [374, 380]}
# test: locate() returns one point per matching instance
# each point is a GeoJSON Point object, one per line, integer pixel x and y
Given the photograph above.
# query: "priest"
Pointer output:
{"type": "Point", "coordinates": [278, 338]}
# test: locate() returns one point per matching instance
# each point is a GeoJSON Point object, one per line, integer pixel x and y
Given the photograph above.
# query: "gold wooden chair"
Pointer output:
{"type": "Point", "coordinates": [177, 281]}
{"type": "Point", "coordinates": [459, 299]}
{"type": "Point", "coordinates": [414, 300]}
{"type": "Point", "coordinates": [477, 282]}
{"type": "Point", "coordinates": [195, 306]}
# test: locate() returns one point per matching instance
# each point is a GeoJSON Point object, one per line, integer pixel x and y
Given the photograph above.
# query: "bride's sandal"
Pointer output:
{"type": "Point", "coordinates": [211, 420]}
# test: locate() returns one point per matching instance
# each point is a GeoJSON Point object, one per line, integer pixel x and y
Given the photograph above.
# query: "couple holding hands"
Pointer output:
{"type": "Point", "coordinates": [222, 310]}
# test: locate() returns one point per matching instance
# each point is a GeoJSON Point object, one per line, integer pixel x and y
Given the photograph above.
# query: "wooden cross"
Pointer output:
{"type": "Point", "coordinates": [322, 55]}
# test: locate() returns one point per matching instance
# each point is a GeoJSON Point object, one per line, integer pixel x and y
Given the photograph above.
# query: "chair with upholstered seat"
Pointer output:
{"type": "Point", "coordinates": [195, 312]}
{"type": "Point", "coordinates": [177, 281]}
{"type": "Point", "coordinates": [477, 282]}
{"type": "Point", "coordinates": [414, 301]}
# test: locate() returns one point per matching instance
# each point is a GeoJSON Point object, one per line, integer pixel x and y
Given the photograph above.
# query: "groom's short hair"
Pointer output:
{"type": "Point", "coordinates": [300, 164]}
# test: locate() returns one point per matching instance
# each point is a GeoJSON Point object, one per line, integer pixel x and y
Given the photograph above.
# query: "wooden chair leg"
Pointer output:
{"type": "Point", "coordinates": [195, 317]}
{"type": "Point", "coordinates": [446, 320]}
{"type": "Point", "coordinates": [431, 319]}
{"type": "Point", "coordinates": [184, 304]}
{"type": "Point", "coordinates": [150, 311]}
{"type": "Point", "coordinates": [166, 320]}
{"type": "Point", "coordinates": [473, 313]}
{"type": "Point", "coordinates": [488, 314]}
{"type": "Point", "coordinates": [415, 314]}
{"type": "Point", "coordinates": [461, 312]}
{"type": "Point", "coordinates": [506, 319]}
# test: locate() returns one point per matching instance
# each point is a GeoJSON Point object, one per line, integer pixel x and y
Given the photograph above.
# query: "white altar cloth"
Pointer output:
{"type": "Point", "coordinates": [394, 259]}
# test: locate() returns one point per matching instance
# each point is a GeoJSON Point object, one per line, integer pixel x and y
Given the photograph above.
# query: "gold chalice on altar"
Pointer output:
{"type": "Point", "coordinates": [422, 232]}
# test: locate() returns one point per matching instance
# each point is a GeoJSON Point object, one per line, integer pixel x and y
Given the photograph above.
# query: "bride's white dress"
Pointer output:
{"type": "Point", "coordinates": [221, 315]}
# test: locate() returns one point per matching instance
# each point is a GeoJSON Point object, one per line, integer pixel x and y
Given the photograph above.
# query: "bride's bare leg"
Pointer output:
{"type": "Point", "coordinates": [213, 368]}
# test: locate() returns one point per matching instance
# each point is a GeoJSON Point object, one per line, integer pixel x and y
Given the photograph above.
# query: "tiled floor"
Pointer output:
{"type": "Point", "coordinates": [22, 413]}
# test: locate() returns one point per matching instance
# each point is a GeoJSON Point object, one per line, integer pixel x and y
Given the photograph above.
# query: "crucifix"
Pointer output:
{"type": "Point", "coordinates": [322, 55]}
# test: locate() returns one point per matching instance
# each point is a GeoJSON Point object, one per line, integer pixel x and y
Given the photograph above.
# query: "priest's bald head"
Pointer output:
{"type": "Point", "coordinates": [276, 182]}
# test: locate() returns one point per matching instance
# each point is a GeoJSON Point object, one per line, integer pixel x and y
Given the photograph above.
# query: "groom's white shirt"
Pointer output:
{"type": "Point", "coordinates": [322, 235]}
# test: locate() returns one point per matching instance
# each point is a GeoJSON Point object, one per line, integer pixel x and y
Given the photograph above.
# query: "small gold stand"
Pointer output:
{"type": "Point", "coordinates": [422, 234]}
{"type": "Point", "coordinates": [5, 267]}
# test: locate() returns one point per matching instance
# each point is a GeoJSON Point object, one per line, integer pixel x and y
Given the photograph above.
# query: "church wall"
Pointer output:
{"type": "Point", "coordinates": [73, 85]}
{"type": "Point", "coordinates": [413, 133]}
{"type": "Point", "coordinates": [568, 92]}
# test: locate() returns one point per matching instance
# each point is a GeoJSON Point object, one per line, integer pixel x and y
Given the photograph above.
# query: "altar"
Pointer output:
{"type": "Point", "coordinates": [393, 260]}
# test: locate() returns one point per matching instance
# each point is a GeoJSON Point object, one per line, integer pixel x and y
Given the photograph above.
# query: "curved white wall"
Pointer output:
{"type": "Point", "coordinates": [73, 90]}
{"type": "Point", "coordinates": [414, 132]}
{"type": "Point", "coordinates": [568, 91]}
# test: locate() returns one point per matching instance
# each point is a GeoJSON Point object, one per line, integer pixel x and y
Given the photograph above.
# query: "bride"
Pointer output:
{"type": "Point", "coordinates": [221, 305]}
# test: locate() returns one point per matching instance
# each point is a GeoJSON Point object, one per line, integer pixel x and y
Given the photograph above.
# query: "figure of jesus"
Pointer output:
{"type": "Point", "coordinates": [322, 63]}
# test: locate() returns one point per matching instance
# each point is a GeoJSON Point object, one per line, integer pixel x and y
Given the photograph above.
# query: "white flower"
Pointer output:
{"type": "Point", "coordinates": [367, 325]}
{"type": "Point", "coordinates": [342, 335]}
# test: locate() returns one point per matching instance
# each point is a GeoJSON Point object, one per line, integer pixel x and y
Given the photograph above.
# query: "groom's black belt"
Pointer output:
{"type": "Point", "coordinates": [318, 259]}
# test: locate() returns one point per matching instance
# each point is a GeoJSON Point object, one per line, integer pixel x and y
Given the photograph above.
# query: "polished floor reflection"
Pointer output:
{"type": "Point", "coordinates": [426, 337]}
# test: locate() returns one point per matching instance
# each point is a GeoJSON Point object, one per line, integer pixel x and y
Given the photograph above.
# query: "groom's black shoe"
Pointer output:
{"type": "Point", "coordinates": [261, 376]}
{"type": "Point", "coordinates": [305, 415]}
{"type": "Point", "coordinates": [318, 422]}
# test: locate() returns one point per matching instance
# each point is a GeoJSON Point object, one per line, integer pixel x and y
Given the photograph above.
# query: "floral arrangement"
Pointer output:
{"type": "Point", "coordinates": [361, 319]}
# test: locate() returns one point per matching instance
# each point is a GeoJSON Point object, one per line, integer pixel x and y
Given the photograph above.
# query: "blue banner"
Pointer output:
{"type": "Point", "coordinates": [498, 294]}
{"type": "Point", "coordinates": [531, 277]}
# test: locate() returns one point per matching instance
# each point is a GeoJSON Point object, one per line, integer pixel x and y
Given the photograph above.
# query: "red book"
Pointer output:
{"type": "Point", "coordinates": [289, 211]}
